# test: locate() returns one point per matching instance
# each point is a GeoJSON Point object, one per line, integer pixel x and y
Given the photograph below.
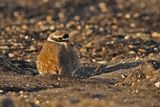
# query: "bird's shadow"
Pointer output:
{"type": "Point", "coordinates": [89, 72]}
{"type": "Point", "coordinates": [21, 67]}
{"type": "Point", "coordinates": [85, 72]}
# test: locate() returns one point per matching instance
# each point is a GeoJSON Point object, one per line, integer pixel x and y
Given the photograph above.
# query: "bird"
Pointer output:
{"type": "Point", "coordinates": [58, 55]}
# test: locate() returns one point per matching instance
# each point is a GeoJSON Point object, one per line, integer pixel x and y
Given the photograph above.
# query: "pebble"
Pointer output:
{"type": "Point", "coordinates": [61, 15]}
{"type": "Point", "coordinates": [4, 47]}
{"type": "Point", "coordinates": [92, 8]}
{"type": "Point", "coordinates": [32, 48]}
{"type": "Point", "coordinates": [123, 76]}
{"type": "Point", "coordinates": [136, 15]}
{"type": "Point", "coordinates": [13, 102]}
{"type": "Point", "coordinates": [127, 37]}
{"type": "Point", "coordinates": [49, 18]}
{"type": "Point", "coordinates": [137, 58]}
{"type": "Point", "coordinates": [156, 35]}
{"type": "Point", "coordinates": [52, 27]}
{"type": "Point", "coordinates": [101, 29]}
{"type": "Point", "coordinates": [127, 16]}
{"type": "Point", "coordinates": [141, 50]}
{"type": "Point", "coordinates": [133, 25]}
{"type": "Point", "coordinates": [132, 52]}
{"type": "Point", "coordinates": [130, 46]}
{"type": "Point", "coordinates": [102, 62]}
{"type": "Point", "coordinates": [1, 91]}
{"type": "Point", "coordinates": [11, 55]}
{"type": "Point", "coordinates": [77, 18]}
{"type": "Point", "coordinates": [37, 102]}
{"type": "Point", "coordinates": [157, 84]}
{"type": "Point", "coordinates": [103, 7]}
{"type": "Point", "coordinates": [21, 92]}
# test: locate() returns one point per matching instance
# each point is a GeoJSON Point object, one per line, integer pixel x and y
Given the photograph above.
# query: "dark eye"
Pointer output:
{"type": "Point", "coordinates": [60, 38]}
{"type": "Point", "coordinates": [66, 36]}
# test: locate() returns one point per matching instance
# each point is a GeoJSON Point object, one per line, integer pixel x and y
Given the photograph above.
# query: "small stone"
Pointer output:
{"type": "Point", "coordinates": [103, 7]}
{"type": "Point", "coordinates": [132, 52]}
{"type": "Point", "coordinates": [155, 49]}
{"type": "Point", "coordinates": [88, 32]}
{"type": "Point", "coordinates": [57, 84]}
{"type": "Point", "coordinates": [77, 18]}
{"type": "Point", "coordinates": [157, 84]}
{"type": "Point", "coordinates": [119, 15]}
{"type": "Point", "coordinates": [94, 60]}
{"type": "Point", "coordinates": [123, 76]}
{"type": "Point", "coordinates": [61, 15]}
{"type": "Point", "coordinates": [79, 27]}
{"type": "Point", "coordinates": [89, 45]}
{"type": "Point", "coordinates": [156, 35]}
{"type": "Point", "coordinates": [115, 27]}
{"type": "Point", "coordinates": [101, 29]}
{"type": "Point", "coordinates": [27, 100]}
{"type": "Point", "coordinates": [127, 37]}
{"type": "Point", "coordinates": [24, 27]}
{"type": "Point", "coordinates": [25, 96]}
{"type": "Point", "coordinates": [141, 50]}
{"type": "Point", "coordinates": [21, 92]}
{"type": "Point", "coordinates": [51, 27]}
{"type": "Point", "coordinates": [4, 47]}
{"type": "Point", "coordinates": [37, 102]}
{"type": "Point", "coordinates": [136, 15]}
{"type": "Point", "coordinates": [133, 25]}
{"type": "Point", "coordinates": [130, 46]}
{"type": "Point", "coordinates": [47, 102]}
{"type": "Point", "coordinates": [32, 48]}
{"type": "Point", "coordinates": [26, 37]}
{"type": "Point", "coordinates": [127, 16]}
{"type": "Point", "coordinates": [102, 62]}
{"type": "Point", "coordinates": [92, 8]}
{"type": "Point", "coordinates": [137, 58]}
{"type": "Point", "coordinates": [49, 18]}
{"type": "Point", "coordinates": [12, 102]}
{"type": "Point", "coordinates": [11, 55]}
{"type": "Point", "coordinates": [1, 91]}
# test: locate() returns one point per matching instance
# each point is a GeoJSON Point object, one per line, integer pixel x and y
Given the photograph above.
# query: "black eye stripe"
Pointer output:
{"type": "Point", "coordinates": [66, 36]}
{"type": "Point", "coordinates": [59, 39]}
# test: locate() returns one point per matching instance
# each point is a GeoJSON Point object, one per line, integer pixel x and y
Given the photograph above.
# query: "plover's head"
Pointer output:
{"type": "Point", "coordinates": [59, 37]}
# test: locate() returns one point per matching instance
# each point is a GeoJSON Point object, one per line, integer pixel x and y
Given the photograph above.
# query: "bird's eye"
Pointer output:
{"type": "Point", "coordinates": [60, 38]}
{"type": "Point", "coordinates": [66, 36]}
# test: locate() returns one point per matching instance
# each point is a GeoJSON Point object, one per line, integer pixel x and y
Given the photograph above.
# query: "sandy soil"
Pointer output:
{"type": "Point", "coordinates": [121, 38]}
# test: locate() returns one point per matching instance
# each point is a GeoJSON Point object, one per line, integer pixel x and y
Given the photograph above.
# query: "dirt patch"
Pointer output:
{"type": "Point", "coordinates": [119, 40]}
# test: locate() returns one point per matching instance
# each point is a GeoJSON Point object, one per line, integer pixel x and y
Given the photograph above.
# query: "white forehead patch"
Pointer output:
{"type": "Point", "coordinates": [58, 35]}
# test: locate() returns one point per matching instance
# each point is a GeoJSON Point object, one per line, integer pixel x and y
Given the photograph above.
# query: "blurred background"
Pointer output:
{"type": "Point", "coordinates": [102, 30]}
{"type": "Point", "coordinates": [123, 35]}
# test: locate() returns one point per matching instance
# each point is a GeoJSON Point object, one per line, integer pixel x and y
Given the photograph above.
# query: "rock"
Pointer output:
{"type": "Point", "coordinates": [12, 102]}
{"type": "Point", "coordinates": [157, 84]}
{"type": "Point", "coordinates": [1, 91]}
{"type": "Point", "coordinates": [103, 7]}
{"type": "Point", "coordinates": [156, 35]}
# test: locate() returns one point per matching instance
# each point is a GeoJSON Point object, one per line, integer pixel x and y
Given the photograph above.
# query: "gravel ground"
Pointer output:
{"type": "Point", "coordinates": [123, 36]}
